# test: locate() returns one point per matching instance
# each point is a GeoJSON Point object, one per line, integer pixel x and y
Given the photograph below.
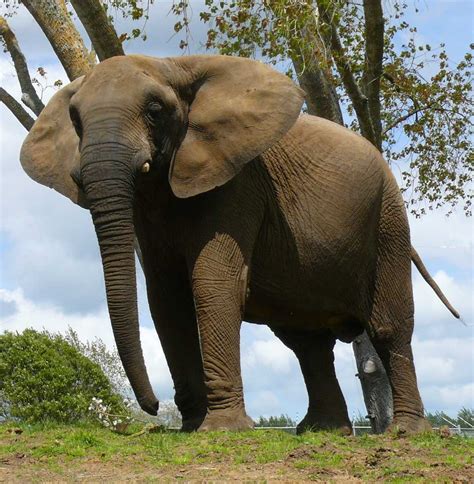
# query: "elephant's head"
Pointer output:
{"type": "Point", "coordinates": [201, 118]}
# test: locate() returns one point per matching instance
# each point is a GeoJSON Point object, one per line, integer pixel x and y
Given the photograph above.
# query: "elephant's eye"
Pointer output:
{"type": "Point", "coordinates": [76, 120]}
{"type": "Point", "coordinates": [153, 112]}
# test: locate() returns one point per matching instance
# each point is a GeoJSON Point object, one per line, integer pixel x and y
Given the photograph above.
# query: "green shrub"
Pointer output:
{"type": "Point", "coordinates": [108, 359]}
{"type": "Point", "coordinates": [43, 377]}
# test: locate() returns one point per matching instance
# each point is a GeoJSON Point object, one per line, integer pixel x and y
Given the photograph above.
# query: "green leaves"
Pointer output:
{"type": "Point", "coordinates": [428, 113]}
{"type": "Point", "coordinates": [43, 377]}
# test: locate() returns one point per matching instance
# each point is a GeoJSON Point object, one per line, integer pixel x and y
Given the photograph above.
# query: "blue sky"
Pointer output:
{"type": "Point", "coordinates": [51, 275]}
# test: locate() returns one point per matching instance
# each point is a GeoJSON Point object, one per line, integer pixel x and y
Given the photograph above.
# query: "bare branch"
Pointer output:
{"type": "Point", "coordinates": [17, 109]}
{"type": "Point", "coordinates": [359, 100]}
{"type": "Point", "coordinates": [29, 96]}
{"type": "Point", "coordinates": [99, 29]}
{"type": "Point", "coordinates": [53, 18]}
{"type": "Point", "coordinates": [374, 44]}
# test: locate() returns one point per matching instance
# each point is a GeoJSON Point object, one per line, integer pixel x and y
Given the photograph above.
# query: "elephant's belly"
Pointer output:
{"type": "Point", "coordinates": [315, 315]}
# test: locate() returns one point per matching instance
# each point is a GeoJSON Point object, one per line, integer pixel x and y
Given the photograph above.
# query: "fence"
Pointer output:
{"type": "Point", "coordinates": [456, 430]}
{"type": "Point", "coordinates": [361, 430]}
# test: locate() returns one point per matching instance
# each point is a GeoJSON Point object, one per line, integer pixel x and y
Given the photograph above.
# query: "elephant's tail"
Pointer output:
{"type": "Point", "coordinates": [427, 277]}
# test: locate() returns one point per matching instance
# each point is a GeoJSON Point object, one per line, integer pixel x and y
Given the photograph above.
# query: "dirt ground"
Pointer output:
{"type": "Point", "coordinates": [219, 459]}
{"type": "Point", "coordinates": [22, 469]}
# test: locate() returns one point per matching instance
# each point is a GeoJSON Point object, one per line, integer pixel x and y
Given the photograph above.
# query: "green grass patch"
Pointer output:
{"type": "Point", "coordinates": [59, 451]}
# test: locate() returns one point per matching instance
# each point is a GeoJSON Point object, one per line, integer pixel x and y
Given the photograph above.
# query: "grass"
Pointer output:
{"type": "Point", "coordinates": [88, 452]}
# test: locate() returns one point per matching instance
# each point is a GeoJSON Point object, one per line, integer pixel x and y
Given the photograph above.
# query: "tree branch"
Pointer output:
{"type": "Point", "coordinates": [99, 29]}
{"type": "Point", "coordinates": [17, 109]}
{"type": "Point", "coordinates": [314, 77]}
{"type": "Point", "coordinates": [359, 101]}
{"type": "Point", "coordinates": [29, 96]}
{"type": "Point", "coordinates": [406, 116]}
{"type": "Point", "coordinates": [374, 39]}
{"type": "Point", "coordinates": [54, 19]}
{"type": "Point", "coordinates": [321, 97]}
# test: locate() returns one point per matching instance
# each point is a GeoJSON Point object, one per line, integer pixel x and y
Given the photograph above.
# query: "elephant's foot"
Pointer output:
{"type": "Point", "coordinates": [314, 422]}
{"type": "Point", "coordinates": [191, 424]}
{"type": "Point", "coordinates": [409, 424]}
{"type": "Point", "coordinates": [232, 419]}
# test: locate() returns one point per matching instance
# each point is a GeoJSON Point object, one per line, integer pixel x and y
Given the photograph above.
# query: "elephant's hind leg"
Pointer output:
{"type": "Point", "coordinates": [397, 358]}
{"type": "Point", "coordinates": [390, 329]}
{"type": "Point", "coordinates": [327, 408]}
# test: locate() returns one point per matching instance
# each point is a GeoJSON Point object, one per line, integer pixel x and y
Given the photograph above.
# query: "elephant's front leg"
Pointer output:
{"type": "Point", "coordinates": [219, 281]}
{"type": "Point", "coordinates": [172, 308]}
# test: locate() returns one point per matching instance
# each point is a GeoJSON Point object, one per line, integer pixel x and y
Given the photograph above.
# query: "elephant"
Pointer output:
{"type": "Point", "coordinates": [244, 209]}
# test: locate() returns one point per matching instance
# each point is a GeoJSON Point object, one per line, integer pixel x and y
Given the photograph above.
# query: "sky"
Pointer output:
{"type": "Point", "coordinates": [51, 275]}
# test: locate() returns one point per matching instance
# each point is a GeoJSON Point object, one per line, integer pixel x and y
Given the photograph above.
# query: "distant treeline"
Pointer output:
{"type": "Point", "coordinates": [282, 421]}
{"type": "Point", "coordinates": [464, 419]}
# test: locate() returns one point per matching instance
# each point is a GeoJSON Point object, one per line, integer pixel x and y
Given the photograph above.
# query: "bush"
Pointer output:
{"type": "Point", "coordinates": [43, 377]}
{"type": "Point", "coordinates": [109, 360]}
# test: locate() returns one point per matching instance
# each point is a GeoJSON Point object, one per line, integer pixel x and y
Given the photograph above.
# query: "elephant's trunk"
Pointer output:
{"type": "Point", "coordinates": [109, 186]}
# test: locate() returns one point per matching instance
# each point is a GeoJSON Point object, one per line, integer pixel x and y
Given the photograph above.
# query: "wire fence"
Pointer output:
{"type": "Point", "coordinates": [359, 430]}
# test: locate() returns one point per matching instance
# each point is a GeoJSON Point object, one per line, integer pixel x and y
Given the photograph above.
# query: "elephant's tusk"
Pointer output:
{"type": "Point", "coordinates": [145, 167]}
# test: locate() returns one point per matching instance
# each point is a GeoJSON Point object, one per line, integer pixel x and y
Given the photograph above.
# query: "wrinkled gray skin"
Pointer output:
{"type": "Point", "coordinates": [243, 209]}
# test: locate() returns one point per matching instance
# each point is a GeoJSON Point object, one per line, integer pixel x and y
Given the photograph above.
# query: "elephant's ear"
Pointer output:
{"type": "Point", "coordinates": [240, 108]}
{"type": "Point", "coordinates": [50, 152]}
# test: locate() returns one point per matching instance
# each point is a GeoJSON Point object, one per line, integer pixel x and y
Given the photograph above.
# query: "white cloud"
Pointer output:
{"type": "Point", "coordinates": [442, 239]}
{"type": "Point", "coordinates": [432, 318]}
{"type": "Point", "coordinates": [265, 403]}
{"type": "Point", "coordinates": [270, 353]}
{"type": "Point", "coordinates": [449, 398]}
{"type": "Point", "coordinates": [445, 361]}
{"type": "Point", "coordinates": [28, 314]}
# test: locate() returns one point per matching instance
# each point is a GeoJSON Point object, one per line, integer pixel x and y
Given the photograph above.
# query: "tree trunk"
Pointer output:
{"type": "Point", "coordinates": [374, 33]}
{"type": "Point", "coordinates": [99, 29]}
{"type": "Point", "coordinates": [321, 97]}
{"type": "Point", "coordinates": [344, 68]}
{"type": "Point", "coordinates": [53, 18]}
{"type": "Point", "coordinates": [375, 385]}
